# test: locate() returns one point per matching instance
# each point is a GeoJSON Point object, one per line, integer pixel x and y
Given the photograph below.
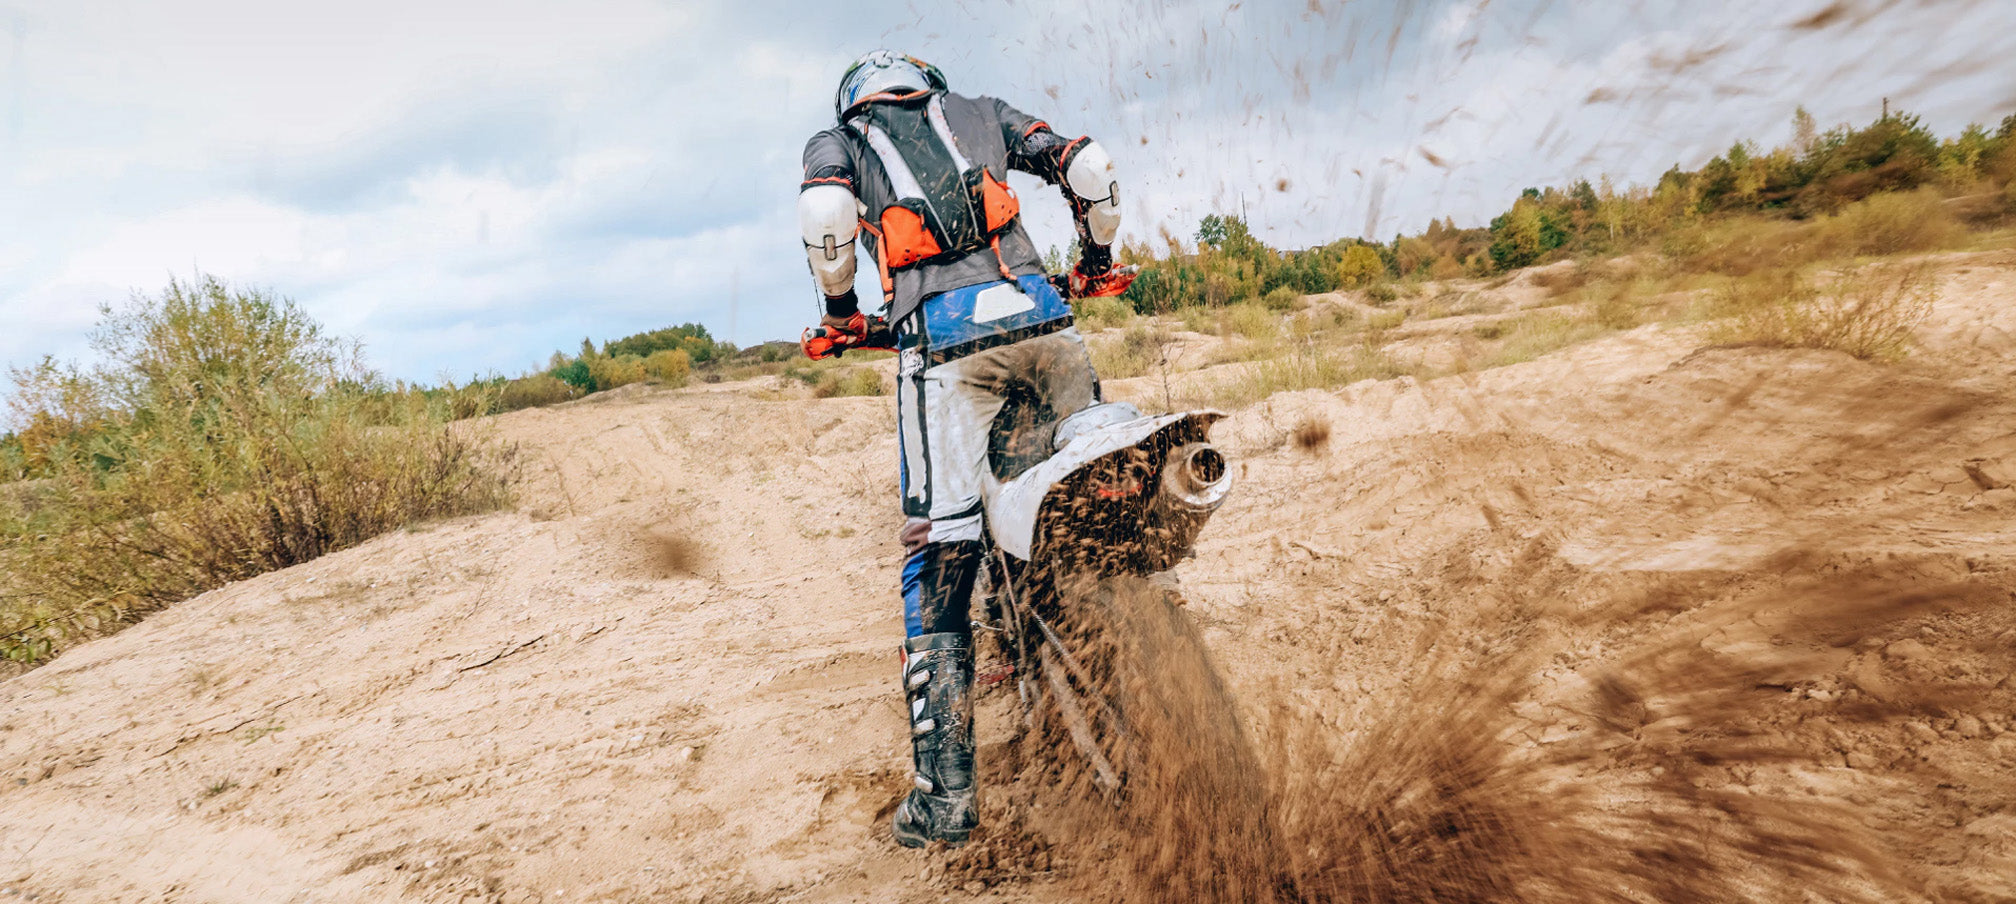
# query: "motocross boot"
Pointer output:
{"type": "Point", "coordinates": [938, 681]}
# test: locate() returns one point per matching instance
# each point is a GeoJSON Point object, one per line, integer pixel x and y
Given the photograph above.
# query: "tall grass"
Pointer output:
{"type": "Point", "coordinates": [836, 377]}
{"type": "Point", "coordinates": [1142, 348]}
{"type": "Point", "coordinates": [1101, 313]}
{"type": "Point", "coordinates": [1528, 337]}
{"type": "Point", "coordinates": [1883, 224]}
{"type": "Point", "coordinates": [1309, 363]}
{"type": "Point", "coordinates": [221, 434]}
{"type": "Point", "coordinates": [1868, 312]}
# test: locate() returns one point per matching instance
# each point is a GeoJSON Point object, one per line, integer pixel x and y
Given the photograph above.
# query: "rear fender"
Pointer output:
{"type": "Point", "coordinates": [1014, 507]}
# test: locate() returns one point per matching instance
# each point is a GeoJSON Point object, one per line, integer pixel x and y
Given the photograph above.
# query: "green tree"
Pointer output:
{"type": "Point", "coordinates": [577, 374]}
{"type": "Point", "coordinates": [1211, 230]}
{"type": "Point", "coordinates": [1360, 267]}
{"type": "Point", "coordinates": [1521, 235]}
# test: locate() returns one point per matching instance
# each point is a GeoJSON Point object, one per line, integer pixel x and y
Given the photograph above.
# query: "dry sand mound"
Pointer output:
{"type": "Point", "coordinates": [1637, 619]}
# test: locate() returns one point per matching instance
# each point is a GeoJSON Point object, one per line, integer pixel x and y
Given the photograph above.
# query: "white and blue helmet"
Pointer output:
{"type": "Point", "coordinates": [884, 75]}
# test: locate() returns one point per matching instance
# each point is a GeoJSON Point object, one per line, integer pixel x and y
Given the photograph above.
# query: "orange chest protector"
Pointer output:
{"type": "Point", "coordinates": [945, 204]}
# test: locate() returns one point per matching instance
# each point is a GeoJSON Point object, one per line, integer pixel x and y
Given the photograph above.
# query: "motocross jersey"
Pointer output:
{"type": "Point", "coordinates": [927, 173]}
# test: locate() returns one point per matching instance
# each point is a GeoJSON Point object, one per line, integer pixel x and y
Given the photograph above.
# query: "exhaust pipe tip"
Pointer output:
{"type": "Point", "coordinates": [1197, 477]}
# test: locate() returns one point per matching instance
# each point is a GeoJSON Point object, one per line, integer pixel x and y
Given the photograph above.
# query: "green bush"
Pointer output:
{"type": "Point", "coordinates": [575, 373]}
{"type": "Point", "coordinates": [1281, 298]}
{"type": "Point", "coordinates": [691, 338]}
{"type": "Point", "coordinates": [229, 436]}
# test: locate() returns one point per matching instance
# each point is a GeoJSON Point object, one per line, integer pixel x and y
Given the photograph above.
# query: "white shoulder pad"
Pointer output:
{"type": "Point", "coordinates": [826, 219]}
{"type": "Point", "coordinates": [1092, 179]}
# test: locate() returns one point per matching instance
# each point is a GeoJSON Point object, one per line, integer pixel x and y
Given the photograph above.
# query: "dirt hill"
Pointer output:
{"type": "Point", "coordinates": [671, 675]}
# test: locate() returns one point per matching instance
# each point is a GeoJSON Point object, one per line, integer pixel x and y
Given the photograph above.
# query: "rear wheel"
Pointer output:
{"type": "Point", "coordinates": [1178, 791]}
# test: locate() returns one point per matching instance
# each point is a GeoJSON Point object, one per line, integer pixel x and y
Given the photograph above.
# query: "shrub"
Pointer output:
{"type": "Point", "coordinates": [1741, 245]}
{"type": "Point", "coordinates": [533, 391]}
{"type": "Point", "coordinates": [610, 372]}
{"type": "Point", "coordinates": [670, 366]}
{"type": "Point", "coordinates": [1891, 223]}
{"type": "Point", "coordinates": [1307, 365]}
{"type": "Point", "coordinates": [1528, 337]}
{"type": "Point", "coordinates": [1281, 298]}
{"type": "Point", "coordinates": [1251, 321]}
{"type": "Point", "coordinates": [236, 438]}
{"type": "Point", "coordinates": [849, 381]}
{"type": "Point", "coordinates": [1199, 319]}
{"type": "Point", "coordinates": [1385, 320]}
{"type": "Point", "coordinates": [1101, 313]}
{"type": "Point", "coordinates": [1360, 265]}
{"type": "Point", "coordinates": [575, 373]}
{"type": "Point", "coordinates": [1867, 312]}
{"type": "Point", "coordinates": [1446, 267]}
{"type": "Point", "coordinates": [691, 338]}
{"type": "Point", "coordinates": [1617, 308]}
{"type": "Point", "coordinates": [1382, 293]}
{"type": "Point", "coordinates": [1132, 354]}
{"type": "Point", "coordinates": [464, 402]}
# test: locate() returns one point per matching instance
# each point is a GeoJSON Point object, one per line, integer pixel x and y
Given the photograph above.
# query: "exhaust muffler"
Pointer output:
{"type": "Point", "coordinates": [1195, 481]}
{"type": "Point", "coordinates": [1195, 477]}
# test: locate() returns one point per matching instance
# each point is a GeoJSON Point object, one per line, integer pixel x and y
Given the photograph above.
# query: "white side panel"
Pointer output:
{"type": "Point", "coordinates": [1012, 507]}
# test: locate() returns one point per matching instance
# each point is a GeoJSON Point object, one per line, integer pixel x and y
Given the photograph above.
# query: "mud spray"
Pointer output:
{"type": "Point", "coordinates": [1751, 735]}
{"type": "Point", "coordinates": [1685, 782]}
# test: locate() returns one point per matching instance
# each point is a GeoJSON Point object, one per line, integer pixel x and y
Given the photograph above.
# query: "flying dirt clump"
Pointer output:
{"type": "Point", "coordinates": [1311, 434]}
{"type": "Point", "coordinates": [670, 553]}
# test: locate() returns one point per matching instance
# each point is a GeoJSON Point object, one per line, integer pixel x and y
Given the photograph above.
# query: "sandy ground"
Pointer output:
{"type": "Point", "coordinates": [671, 675]}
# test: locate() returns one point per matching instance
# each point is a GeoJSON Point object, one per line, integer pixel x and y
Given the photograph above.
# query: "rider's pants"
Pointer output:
{"type": "Point", "coordinates": [947, 411]}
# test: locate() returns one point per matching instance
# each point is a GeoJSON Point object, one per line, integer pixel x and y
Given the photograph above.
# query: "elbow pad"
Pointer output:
{"type": "Point", "coordinates": [828, 222]}
{"type": "Point", "coordinates": [1089, 174]}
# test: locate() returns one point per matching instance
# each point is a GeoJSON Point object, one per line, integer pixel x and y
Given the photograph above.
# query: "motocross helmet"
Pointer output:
{"type": "Point", "coordinates": [881, 75]}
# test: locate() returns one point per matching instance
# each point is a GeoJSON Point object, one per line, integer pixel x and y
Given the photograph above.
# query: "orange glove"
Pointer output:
{"type": "Point", "coordinates": [835, 335]}
{"type": "Point", "coordinates": [1080, 284]}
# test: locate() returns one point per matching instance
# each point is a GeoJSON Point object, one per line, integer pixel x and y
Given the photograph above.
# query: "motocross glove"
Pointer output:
{"type": "Point", "coordinates": [835, 335]}
{"type": "Point", "coordinates": [1083, 283]}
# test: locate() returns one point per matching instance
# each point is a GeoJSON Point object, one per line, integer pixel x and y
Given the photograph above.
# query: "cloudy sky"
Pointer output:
{"type": "Point", "coordinates": [468, 186]}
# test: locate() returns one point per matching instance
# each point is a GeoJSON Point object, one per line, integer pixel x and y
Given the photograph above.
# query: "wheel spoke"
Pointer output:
{"type": "Point", "coordinates": [1076, 724]}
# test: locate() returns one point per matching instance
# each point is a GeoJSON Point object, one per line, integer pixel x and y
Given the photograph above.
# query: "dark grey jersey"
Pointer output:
{"type": "Point", "coordinates": [989, 133]}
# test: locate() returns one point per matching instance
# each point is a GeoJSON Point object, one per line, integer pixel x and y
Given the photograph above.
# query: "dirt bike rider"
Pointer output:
{"type": "Point", "coordinates": [915, 172]}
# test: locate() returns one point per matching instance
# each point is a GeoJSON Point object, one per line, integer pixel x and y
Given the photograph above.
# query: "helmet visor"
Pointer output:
{"type": "Point", "coordinates": [879, 75]}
